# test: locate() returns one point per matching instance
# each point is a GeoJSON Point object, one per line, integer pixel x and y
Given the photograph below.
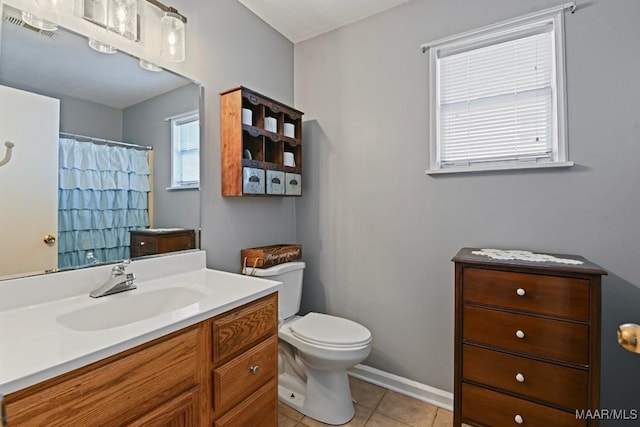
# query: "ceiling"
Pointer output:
{"type": "Point", "coordinates": [300, 20]}
{"type": "Point", "coordinates": [61, 63]}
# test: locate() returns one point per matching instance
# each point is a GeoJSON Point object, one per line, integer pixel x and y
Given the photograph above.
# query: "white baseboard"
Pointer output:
{"type": "Point", "coordinates": [440, 398]}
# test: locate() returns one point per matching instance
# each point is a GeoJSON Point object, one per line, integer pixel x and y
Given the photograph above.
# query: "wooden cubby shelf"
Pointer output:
{"type": "Point", "coordinates": [261, 147]}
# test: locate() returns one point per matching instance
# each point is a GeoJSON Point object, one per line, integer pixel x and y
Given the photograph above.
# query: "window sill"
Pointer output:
{"type": "Point", "coordinates": [184, 187]}
{"type": "Point", "coordinates": [499, 168]}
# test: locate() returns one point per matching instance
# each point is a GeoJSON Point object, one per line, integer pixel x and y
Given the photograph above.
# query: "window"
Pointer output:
{"type": "Point", "coordinates": [497, 96]}
{"type": "Point", "coordinates": [185, 151]}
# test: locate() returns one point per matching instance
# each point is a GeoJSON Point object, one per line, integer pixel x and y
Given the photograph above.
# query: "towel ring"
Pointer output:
{"type": "Point", "coordinates": [7, 155]}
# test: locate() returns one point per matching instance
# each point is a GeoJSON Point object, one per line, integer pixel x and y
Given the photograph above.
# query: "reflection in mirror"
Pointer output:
{"type": "Point", "coordinates": [92, 173]}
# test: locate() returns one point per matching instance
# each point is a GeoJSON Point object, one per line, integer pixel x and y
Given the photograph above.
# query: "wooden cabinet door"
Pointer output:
{"type": "Point", "coordinates": [181, 411]}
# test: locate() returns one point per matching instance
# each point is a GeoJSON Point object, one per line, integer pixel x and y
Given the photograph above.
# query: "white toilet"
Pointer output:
{"type": "Point", "coordinates": [315, 352]}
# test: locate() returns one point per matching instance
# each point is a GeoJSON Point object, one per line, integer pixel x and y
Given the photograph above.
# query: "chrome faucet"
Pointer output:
{"type": "Point", "coordinates": [119, 281]}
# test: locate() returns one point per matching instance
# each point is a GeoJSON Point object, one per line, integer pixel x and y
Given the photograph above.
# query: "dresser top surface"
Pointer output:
{"type": "Point", "coordinates": [161, 231]}
{"type": "Point", "coordinates": [467, 256]}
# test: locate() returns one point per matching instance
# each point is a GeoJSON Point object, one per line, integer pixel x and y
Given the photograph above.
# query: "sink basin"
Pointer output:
{"type": "Point", "coordinates": [129, 307]}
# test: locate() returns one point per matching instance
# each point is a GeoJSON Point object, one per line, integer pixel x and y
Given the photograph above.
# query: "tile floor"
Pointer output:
{"type": "Point", "coordinates": [377, 407]}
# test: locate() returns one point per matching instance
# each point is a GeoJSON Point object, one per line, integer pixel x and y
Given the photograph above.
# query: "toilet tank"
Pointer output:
{"type": "Point", "coordinates": [290, 274]}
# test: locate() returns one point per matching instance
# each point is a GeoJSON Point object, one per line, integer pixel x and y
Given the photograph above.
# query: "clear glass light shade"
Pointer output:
{"type": "Point", "coordinates": [101, 47]}
{"type": "Point", "coordinates": [37, 22]}
{"type": "Point", "coordinates": [64, 7]}
{"type": "Point", "coordinates": [149, 66]}
{"type": "Point", "coordinates": [122, 18]}
{"type": "Point", "coordinates": [172, 37]}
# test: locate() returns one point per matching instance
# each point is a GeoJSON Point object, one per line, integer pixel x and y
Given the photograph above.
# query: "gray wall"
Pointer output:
{"type": "Point", "coordinates": [230, 46]}
{"type": "Point", "coordinates": [83, 117]}
{"type": "Point", "coordinates": [145, 124]}
{"type": "Point", "coordinates": [378, 234]}
{"type": "Point", "coordinates": [90, 119]}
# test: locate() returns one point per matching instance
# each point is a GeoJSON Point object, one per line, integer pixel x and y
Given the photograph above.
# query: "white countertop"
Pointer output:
{"type": "Point", "coordinates": [34, 346]}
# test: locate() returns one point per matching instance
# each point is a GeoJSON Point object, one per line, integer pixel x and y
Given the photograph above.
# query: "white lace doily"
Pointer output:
{"type": "Point", "coordinates": [523, 256]}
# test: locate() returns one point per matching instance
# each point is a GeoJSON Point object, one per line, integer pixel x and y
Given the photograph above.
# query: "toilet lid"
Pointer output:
{"type": "Point", "coordinates": [328, 330]}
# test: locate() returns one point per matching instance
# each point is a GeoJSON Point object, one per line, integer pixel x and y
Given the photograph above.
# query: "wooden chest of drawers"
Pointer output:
{"type": "Point", "coordinates": [160, 241]}
{"type": "Point", "coordinates": [527, 341]}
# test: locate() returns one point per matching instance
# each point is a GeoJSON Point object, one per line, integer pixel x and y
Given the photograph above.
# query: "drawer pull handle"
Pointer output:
{"type": "Point", "coordinates": [519, 377]}
{"type": "Point", "coordinates": [520, 334]}
{"type": "Point", "coordinates": [518, 419]}
{"type": "Point", "coordinates": [254, 369]}
{"type": "Point", "coordinates": [521, 292]}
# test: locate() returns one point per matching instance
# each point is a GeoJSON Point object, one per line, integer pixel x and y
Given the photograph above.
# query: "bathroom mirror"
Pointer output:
{"type": "Point", "coordinates": [103, 99]}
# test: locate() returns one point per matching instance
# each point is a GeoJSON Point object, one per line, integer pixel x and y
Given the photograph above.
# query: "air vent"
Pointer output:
{"type": "Point", "coordinates": [13, 16]}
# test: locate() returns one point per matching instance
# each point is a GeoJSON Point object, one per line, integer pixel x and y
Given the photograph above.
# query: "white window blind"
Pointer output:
{"type": "Point", "coordinates": [498, 97]}
{"type": "Point", "coordinates": [186, 151]}
{"type": "Point", "coordinates": [496, 102]}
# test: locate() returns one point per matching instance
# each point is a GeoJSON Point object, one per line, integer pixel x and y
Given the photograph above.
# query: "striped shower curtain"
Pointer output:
{"type": "Point", "coordinates": [103, 194]}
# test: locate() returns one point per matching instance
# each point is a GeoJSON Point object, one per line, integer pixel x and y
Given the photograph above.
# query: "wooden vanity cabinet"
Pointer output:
{"type": "Point", "coordinates": [155, 382]}
{"type": "Point", "coordinates": [219, 372]}
{"type": "Point", "coordinates": [527, 341]}
{"type": "Point", "coordinates": [253, 155]}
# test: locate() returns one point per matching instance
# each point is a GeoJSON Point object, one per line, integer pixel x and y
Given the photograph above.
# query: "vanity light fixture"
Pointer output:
{"type": "Point", "coordinates": [122, 18]}
{"type": "Point", "coordinates": [101, 47]}
{"type": "Point", "coordinates": [149, 66]}
{"type": "Point", "coordinates": [172, 33]}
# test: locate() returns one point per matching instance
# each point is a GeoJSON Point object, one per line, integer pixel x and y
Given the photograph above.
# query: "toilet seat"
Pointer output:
{"type": "Point", "coordinates": [330, 331]}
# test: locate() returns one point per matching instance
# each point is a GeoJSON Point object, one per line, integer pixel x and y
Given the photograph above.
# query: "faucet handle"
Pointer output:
{"type": "Point", "coordinates": [119, 268]}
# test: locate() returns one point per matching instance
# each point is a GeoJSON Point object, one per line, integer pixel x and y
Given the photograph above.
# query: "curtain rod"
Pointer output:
{"type": "Point", "coordinates": [571, 6]}
{"type": "Point", "coordinates": [105, 141]}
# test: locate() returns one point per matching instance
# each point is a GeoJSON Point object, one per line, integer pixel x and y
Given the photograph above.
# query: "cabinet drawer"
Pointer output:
{"type": "Point", "coordinates": [293, 184]}
{"type": "Point", "coordinates": [143, 245]}
{"type": "Point", "coordinates": [243, 375]}
{"type": "Point", "coordinates": [566, 387]}
{"type": "Point", "coordinates": [243, 327]}
{"type": "Point", "coordinates": [252, 181]}
{"type": "Point", "coordinates": [497, 409]}
{"type": "Point", "coordinates": [537, 293]}
{"type": "Point", "coordinates": [259, 410]}
{"type": "Point", "coordinates": [275, 182]}
{"type": "Point", "coordinates": [555, 339]}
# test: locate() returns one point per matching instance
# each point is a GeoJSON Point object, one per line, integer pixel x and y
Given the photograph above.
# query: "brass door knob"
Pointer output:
{"type": "Point", "coordinates": [628, 337]}
{"type": "Point", "coordinates": [49, 239]}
